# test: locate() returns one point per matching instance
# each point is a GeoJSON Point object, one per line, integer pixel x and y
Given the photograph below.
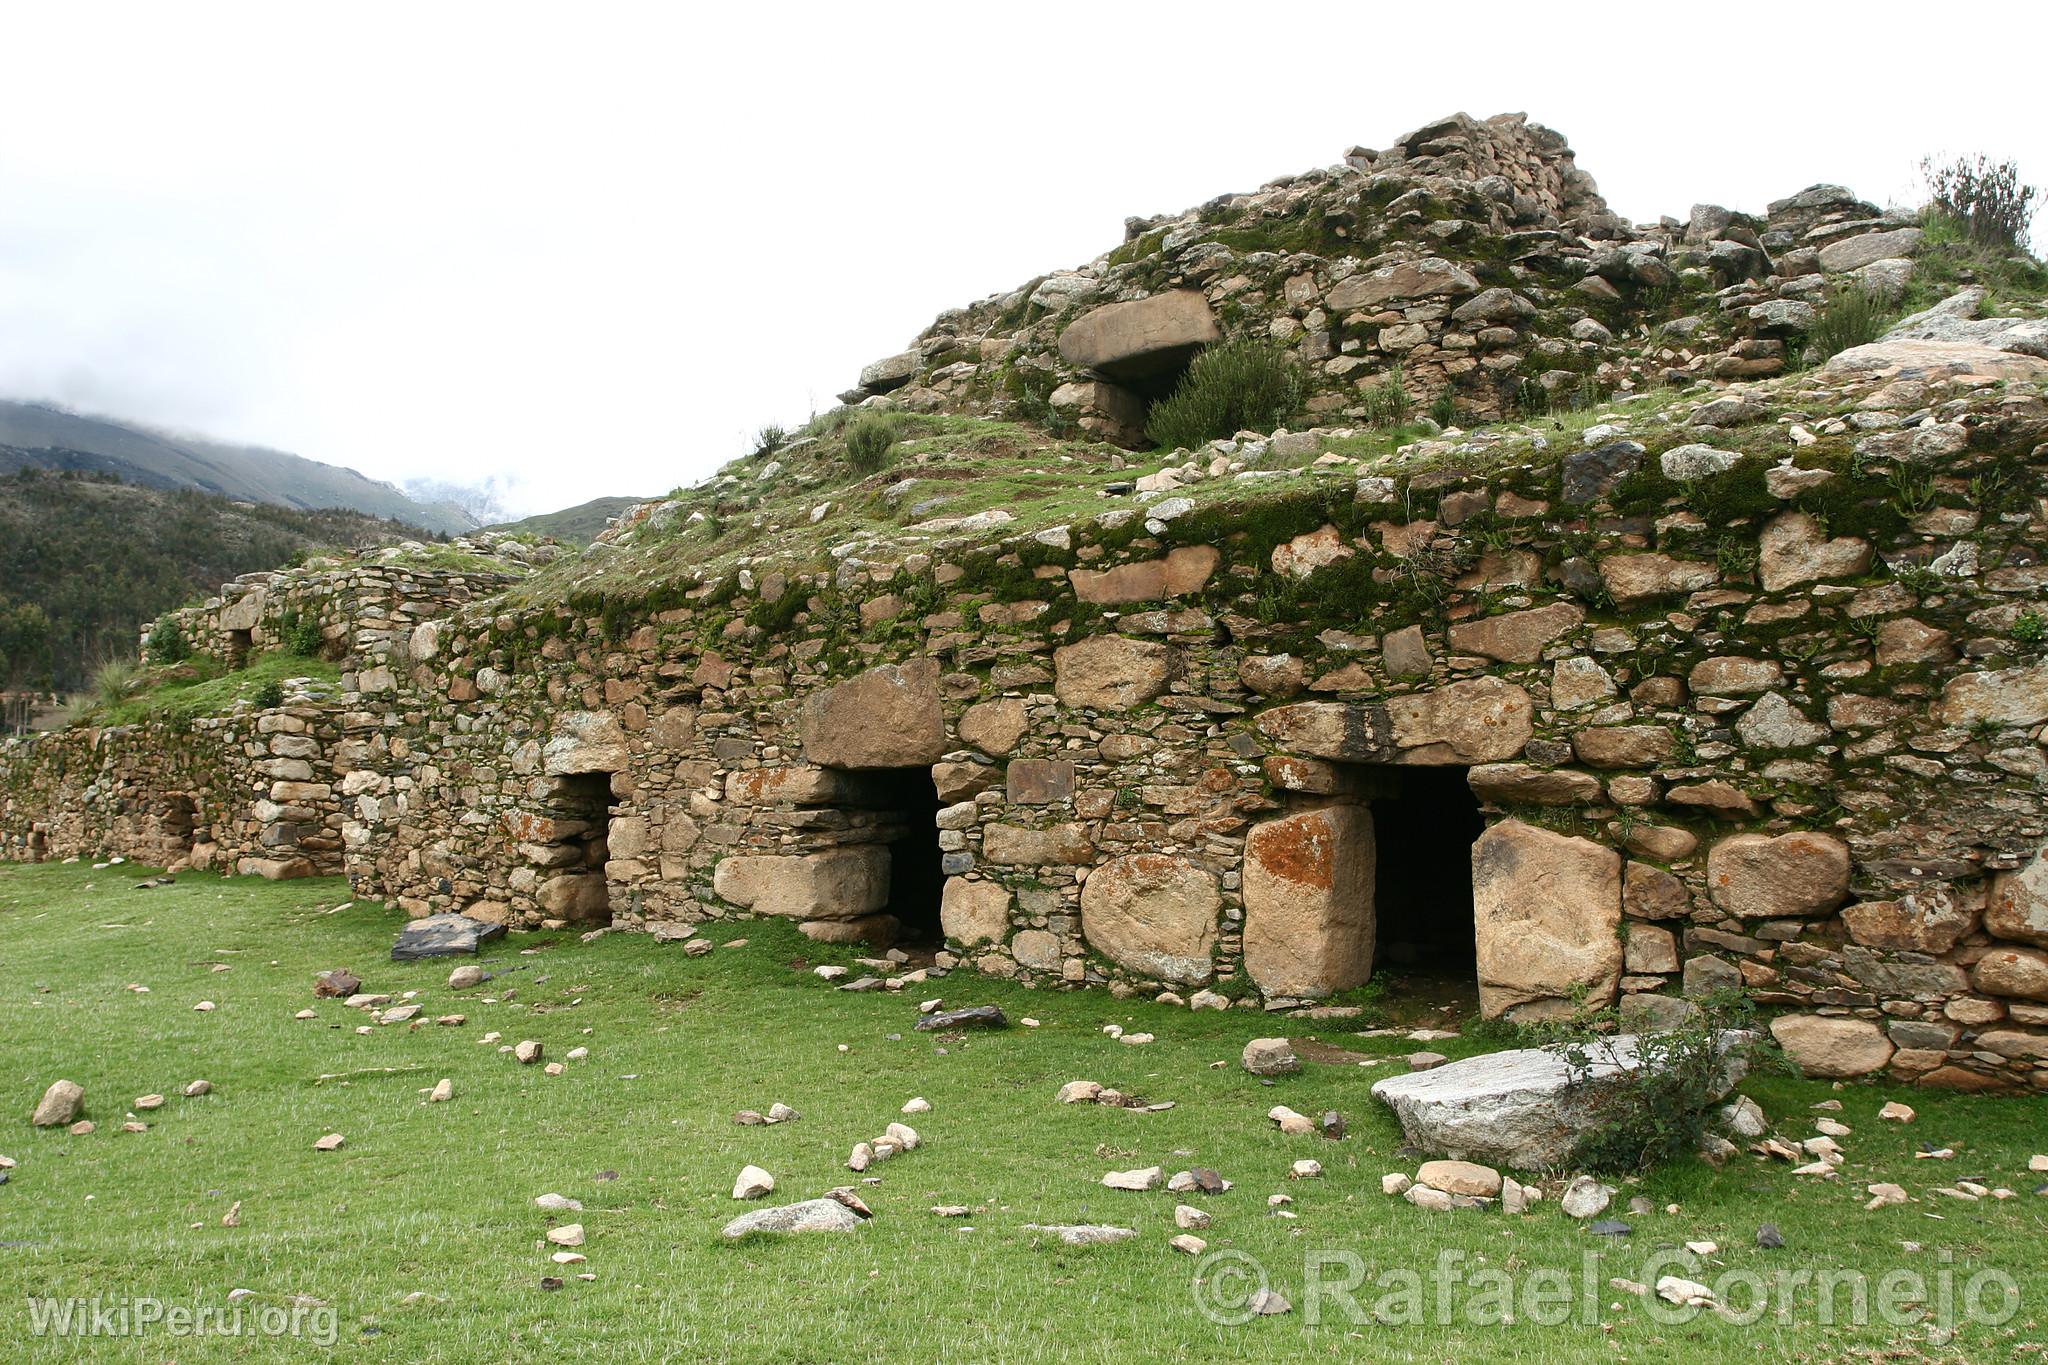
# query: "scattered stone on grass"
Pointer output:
{"type": "Point", "coordinates": [974, 1016]}
{"type": "Point", "coordinates": [1585, 1197]}
{"type": "Point", "coordinates": [1270, 1057]}
{"type": "Point", "coordinates": [1147, 1178]}
{"type": "Point", "coordinates": [467, 975]}
{"type": "Point", "coordinates": [753, 1183]}
{"type": "Point", "coordinates": [1188, 1244]}
{"type": "Point", "coordinates": [443, 935]}
{"type": "Point", "coordinates": [338, 984]}
{"type": "Point", "coordinates": [528, 1051]}
{"type": "Point", "coordinates": [60, 1105]}
{"type": "Point", "coordinates": [1083, 1234]}
{"type": "Point", "coordinates": [811, 1215]}
{"type": "Point", "coordinates": [1188, 1218]}
{"type": "Point", "coordinates": [567, 1235]}
{"type": "Point", "coordinates": [330, 1143]}
{"type": "Point", "coordinates": [197, 1088]}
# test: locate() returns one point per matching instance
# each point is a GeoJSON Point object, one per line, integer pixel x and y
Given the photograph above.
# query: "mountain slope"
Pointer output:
{"type": "Point", "coordinates": [36, 435]}
{"type": "Point", "coordinates": [84, 561]}
{"type": "Point", "coordinates": [578, 525]}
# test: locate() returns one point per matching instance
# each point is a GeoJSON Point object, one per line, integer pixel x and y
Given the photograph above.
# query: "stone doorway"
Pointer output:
{"type": "Point", "coordinates": [904, 803]}
{"type": "Point", "coordinates": [240, 644]}
{"type": "Point", "coordinates": [1425, 825]}
{"type": "Point", "coordinates": [1370, 872]}
{"type": "Point", "coordinates": [569, 843]}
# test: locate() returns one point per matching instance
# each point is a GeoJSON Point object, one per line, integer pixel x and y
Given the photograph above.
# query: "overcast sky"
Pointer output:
{"type": "Point", "coordinates": [588, 249]}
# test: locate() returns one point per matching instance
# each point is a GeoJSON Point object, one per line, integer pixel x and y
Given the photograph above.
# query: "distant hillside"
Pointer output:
{"type": "Point", "coordinates": [35, 435]}
{"type": "Point", "coordinates": [84, 561]}
{"type": "Point", "coordinates": [576, 525]}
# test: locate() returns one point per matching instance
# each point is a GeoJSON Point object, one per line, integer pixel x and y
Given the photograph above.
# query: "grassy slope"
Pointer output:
{"type": "Point", "coordinates": [437, 1198]}
{"type": "Point", "coordinates": [576, 525]}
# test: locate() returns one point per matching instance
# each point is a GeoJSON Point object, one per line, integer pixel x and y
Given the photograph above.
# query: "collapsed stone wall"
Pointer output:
{"type": "Point", "coordinates": [1471, 260]}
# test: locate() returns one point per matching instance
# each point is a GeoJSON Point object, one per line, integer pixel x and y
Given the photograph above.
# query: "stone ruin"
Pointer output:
{"type": "Point", "coordinates": [1737, 690]}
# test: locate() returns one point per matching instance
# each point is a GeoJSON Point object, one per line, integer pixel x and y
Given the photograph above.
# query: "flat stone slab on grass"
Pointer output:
{"type": "Point", "coordinates": [442, 936]}
{"type": "Point", "coordinates": [976, 1016]}
{"type": "Point", "coordinates": [812, 1215]}
{"type": "Point", "coordinates": [1518, 1108]}
{"type": "Point", "coordinates": [1083, 1234]}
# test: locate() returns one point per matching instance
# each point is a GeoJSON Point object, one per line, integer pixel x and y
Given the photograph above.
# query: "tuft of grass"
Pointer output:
{"type": "Point", "coordinates": [115, 680]}
{"type": "Point", "coordinates": [1241, 385]}
{"type": "Point", "coordinates": [1852, 316]}
{"type": "Point", "coordinates": [1387, 403]}
{"type": "Point", "coordinates": [870, 439]}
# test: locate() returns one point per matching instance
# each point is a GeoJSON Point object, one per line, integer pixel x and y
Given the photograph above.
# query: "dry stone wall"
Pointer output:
{"type": "Point", "coordinates": [1741, 689]}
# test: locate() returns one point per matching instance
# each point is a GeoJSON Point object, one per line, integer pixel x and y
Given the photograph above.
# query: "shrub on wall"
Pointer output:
{"type": "Point", "coordinates": [167, 643]}
{"type": "Point", "coordinates": [1240, 385]}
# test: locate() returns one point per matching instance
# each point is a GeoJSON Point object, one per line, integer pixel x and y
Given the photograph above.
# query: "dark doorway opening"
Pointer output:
{"type": "Point", "coordinates": [175, 825]}
{"type": "Point", "coordinates": [1425, 821]}
{"type": "Point", "coordinates": [904, 803]}
{"type": "Point", "coordinates": [572, 846]}
{"type": "Point", "coordinates": [240, 642]}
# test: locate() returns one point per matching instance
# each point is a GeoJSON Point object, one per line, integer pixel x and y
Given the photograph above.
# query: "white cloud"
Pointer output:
{"type": "Point", "coordinates": [588, 249]}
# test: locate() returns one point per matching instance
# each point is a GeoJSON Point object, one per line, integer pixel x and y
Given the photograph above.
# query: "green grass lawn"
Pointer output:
{"type": "Point", "coordinates": [436, 1200]}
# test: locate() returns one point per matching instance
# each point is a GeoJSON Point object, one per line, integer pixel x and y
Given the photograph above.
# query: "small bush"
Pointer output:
{"type": "Point", "coordinates": [167, 643]}
{"type": "Point", "coordinates": [115, 680]}
{"type": "Point", "coordinates": [300, 635]}
{"type": "Point", "coordinates": [870, 438]}
{"type": "Point", "coordinates": [1240, 385]}
{"type": "Point", "coordinates": [1666, 1106]}
{"type": "Point", "coordinates": [2029, 629]}
{"type": "Point", "coordinates": [769, 439]}
{"type": "Point", "coordinates": [1983, 198]}
{"type": "Point", "coordinates": [1387, 403]}
{"type": "Point", "coordinates": [1853, 316]}
{"type": "Point", "coordinates": [1443, 409]}
{"type": "Point", "coordinates": [269, 696]}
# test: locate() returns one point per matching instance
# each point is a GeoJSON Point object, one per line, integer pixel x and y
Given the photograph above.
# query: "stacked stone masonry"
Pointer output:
{"type": "Point", "coordinates": [1745, 693]}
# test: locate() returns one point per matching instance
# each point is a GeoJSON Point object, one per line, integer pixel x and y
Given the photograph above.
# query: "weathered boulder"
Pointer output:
{"type": "Point", "coordinates": [1183, 570]}
{"type": "Point", "coordinates": [1793, 550]}
{"type": "Point", "coordinates": [1516, 637]}
{"type": "Point", "coordinates": [1930, 920]}
{"type": "Point", "coordinates": [2010, 696]}
{"type": "Point", "coordinates": [887, 717]}
{"type": "Point", "coordinates": [1153, 913]}
{"type": "Point", "coordinates": [1520, 1108]}
{"type": "Point", "coordinates": [1111, 672]}
{"type": "Point", "coordinates": [1482, 720]}
{"type": "Point", "coordinates": [994, 727]}
{"type": "Point", "coordinates": [443, 936]}
{"type": "Point", "coordinates": [973, 912]}
{"type": "Point", "coordinates": [2018, 904]}
{"type": "Point", "coordinates": [1521, 784]}
{"type": "Point", "coordinates": [2016, 973]}
{"type": "Point", "coordinates": [1308, 902]}
{"type": "Point", "coordinates": [1065, 845]}
{"type": "Point", "coordinates": [1851, 253]}
{"type": "Point", "coordinates": [1546, 911]}
{"type": "Point", "coordinates": [839, 883]}
{"type": "Point", "coordinates": [812, 1215]}
{"type": "Point", "coordinates": [1428, 278]}
{"type": "Point", "coordinates": [1756, 876]}
{"type": "Point", "coordinates": [1828, 1047]}
{"type": "Point", "coordinates": [59, 1106]}
{"type": "Point", "coordinates": [1633, 579]}
{"type": "Point", "coordinates": [585, 742]}
{"type": "Point", "coordinates": [1140, 338]}
{"type": "Point", "coordinates": [1328, 729]}
{"type": "Point", "coordinates": [891, 372]}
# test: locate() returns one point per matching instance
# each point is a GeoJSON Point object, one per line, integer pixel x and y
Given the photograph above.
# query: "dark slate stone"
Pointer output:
{"type": "Point", "coordinates": [976, 1016]}
{"type": "Point", "coordinates": [1590, 474]}
{"type": "Point", "coordinates": [1769, 1238]}
{"type": "Point", "coordinates": [1206, 1180]}
{"type": "Point", "coordinates": [1610, 1227]}
{"type": "Point", "coordinates": [442, 936]}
